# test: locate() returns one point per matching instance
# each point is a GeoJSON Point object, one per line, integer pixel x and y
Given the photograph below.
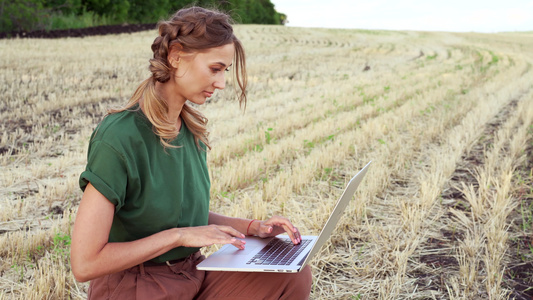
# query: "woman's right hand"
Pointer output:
{"type": "Point", "coordinates": [202, 236]}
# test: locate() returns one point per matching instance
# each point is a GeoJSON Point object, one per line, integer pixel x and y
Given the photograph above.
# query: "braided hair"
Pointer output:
{"type": "Point", "coordinates": [191, 29]}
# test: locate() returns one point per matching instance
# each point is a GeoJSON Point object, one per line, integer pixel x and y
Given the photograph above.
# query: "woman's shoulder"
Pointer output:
{"type": "Point", "coordinates": [121, 126]}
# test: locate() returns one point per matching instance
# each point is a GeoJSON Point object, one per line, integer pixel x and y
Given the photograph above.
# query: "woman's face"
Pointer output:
{"type": "Point", "coordinates": [198, 75]}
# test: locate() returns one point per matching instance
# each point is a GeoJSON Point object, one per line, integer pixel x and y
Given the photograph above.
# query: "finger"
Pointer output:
{"type": "Point", "coordinates": [224, 238]}
{"type": "Point", "coordinates": [220, 237]}
{"type": "Point", "coordinates": [225, 235]}
{"type": "Point", "coordinates": [292, 235]}
{"type": "Point", "coordinates": [231, 231]}
{"type": "Point", "coordinates": [281, 221]}
{"type": "Point", "coordinates": [239, 244]}
{"type": "Point", "coordinates": [285, 225]}
{"type": "Point", "coordinates": [297, 235]}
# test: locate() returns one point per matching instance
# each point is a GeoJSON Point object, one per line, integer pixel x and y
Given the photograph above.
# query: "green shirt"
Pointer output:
{"type": "Point", "coordinates": [152, 188]}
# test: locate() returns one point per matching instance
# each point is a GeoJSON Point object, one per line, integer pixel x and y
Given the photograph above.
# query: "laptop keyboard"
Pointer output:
{"type": "Point", "coordinates": [279, 252]}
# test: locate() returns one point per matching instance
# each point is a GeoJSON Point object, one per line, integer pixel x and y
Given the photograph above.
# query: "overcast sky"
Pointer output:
{"type": "Point", "coordinates": [428, 15]}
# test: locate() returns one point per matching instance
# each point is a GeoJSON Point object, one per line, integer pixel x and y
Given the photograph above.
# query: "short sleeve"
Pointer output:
{"type": "Point", "coordinates": [107, 171]}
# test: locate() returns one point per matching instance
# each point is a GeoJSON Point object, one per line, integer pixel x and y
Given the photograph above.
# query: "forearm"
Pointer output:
{"type": "Point", "coordinates": [114, 257]}
{"type": "Point", "coordinates": [92, 256]}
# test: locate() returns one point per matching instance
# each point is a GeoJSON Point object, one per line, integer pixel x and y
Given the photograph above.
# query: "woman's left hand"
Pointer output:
{"type": "Point", "coordinates": [277, 225]}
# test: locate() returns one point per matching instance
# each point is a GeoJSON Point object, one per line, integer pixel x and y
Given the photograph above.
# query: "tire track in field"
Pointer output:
{"type": "Point", "coordinates": [438, 257]}
{"type": "Point", "coordinates": [438, 254]}
{"type": "Point", "coordinates": [518, 276]}
{"type": "Point", "coordinates": [478, 195]}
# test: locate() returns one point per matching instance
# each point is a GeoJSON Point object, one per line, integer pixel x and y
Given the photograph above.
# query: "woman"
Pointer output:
{"type": "Point", "coordinates": [144, 213]}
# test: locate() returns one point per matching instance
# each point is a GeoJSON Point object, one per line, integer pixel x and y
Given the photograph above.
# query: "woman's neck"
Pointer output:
{"type": "Point", "coordinates": [174, 105]}
{"type": "Point", "coordinates": [174, 102]}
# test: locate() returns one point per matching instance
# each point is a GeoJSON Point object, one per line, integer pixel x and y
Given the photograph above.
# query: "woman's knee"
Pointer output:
{"type": "Point", "coordinates": [300, 284]}
{"type": "Point", "coordinates": [306, 277]}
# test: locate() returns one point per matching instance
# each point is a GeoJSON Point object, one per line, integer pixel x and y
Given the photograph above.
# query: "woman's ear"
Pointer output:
{"type": "Point", "coordinates": [174, 55]}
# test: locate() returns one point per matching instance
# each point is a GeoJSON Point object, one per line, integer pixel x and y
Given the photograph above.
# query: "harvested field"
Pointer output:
{"type": "Point", "coordinates": [445, 212]}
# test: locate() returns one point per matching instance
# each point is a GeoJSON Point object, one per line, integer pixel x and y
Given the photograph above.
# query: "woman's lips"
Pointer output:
{"type": "Point", "coordinates": [208, 94]}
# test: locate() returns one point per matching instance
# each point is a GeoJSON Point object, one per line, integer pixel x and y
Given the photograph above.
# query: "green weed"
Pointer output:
{"type": "Point", "coordinates": [61, 244]}
{"type": "Point", "coordinates": [309, 145]}
{"type": "Point", "coordinates": [495, 58]}
{"type": "Point", "coordinates": [527, 216]}
{"type": "Point", "coordinates": [268, 136]}
{"type": "Point", "coordinates": [20, 271]}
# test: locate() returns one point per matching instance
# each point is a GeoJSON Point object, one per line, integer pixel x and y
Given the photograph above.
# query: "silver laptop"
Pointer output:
{"type": "Point", "coordinates": [279, 254]}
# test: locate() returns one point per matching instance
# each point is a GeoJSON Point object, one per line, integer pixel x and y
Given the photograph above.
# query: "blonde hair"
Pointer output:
{"type": "Point", "coordinates": [193, 29]}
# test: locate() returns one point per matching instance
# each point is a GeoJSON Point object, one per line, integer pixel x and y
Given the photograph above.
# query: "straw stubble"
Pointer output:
{"type": "Point", "coordinates": [446, 119]}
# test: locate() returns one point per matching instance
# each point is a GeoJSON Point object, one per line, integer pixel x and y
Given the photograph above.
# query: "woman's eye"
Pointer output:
{"type": "Point", "coordinates": [216, 70]}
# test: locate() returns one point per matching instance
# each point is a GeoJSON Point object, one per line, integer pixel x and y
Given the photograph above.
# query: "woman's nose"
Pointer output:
{"type": "Point", "coordinates": [220, 81]}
